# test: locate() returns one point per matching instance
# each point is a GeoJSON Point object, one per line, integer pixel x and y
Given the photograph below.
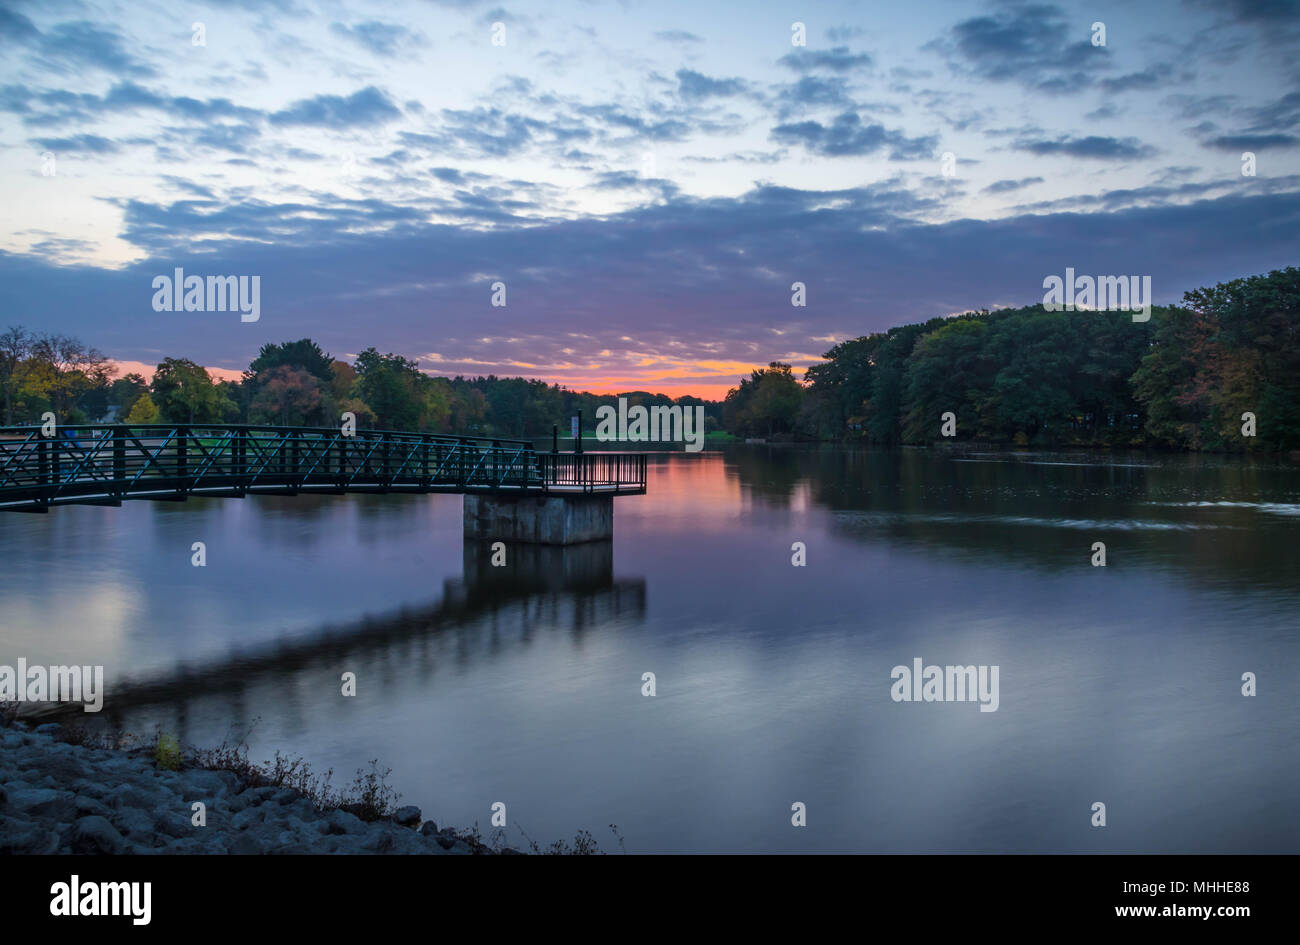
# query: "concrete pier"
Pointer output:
{"type": "Point", "coordinates": [543, 520]}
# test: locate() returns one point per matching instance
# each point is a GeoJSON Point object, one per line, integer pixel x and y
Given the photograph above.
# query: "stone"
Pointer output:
{"type": "Point", "coordinates": [428, 828]}
{"type": "Point", "coordinates": [340, 821]}
{"type": "Point", "coordinates": [94, 834]}
{"type": "Point", "coordinates": [408, 816]}
{"type": "Point", "coordinates": [246, 845]}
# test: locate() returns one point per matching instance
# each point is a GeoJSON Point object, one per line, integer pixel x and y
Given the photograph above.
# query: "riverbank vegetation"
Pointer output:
{"type": "Point", "coordinates": [1030, 377]}
{"type": "Point", "coordinates": [291, 384]}
{"type": "Point", "coordinates": [1017, 376]}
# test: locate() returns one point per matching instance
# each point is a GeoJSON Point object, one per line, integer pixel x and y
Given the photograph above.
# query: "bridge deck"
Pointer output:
{"type": "Point", "coordinates": [106, 464]}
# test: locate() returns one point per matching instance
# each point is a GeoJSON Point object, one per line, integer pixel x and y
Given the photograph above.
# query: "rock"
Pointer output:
{"type": "Point", "coordinates": [88, 805]}
{"type": "Point", "coordinates": [428, 828]}
{"type": "Point", "coordinates": [174, 824]}
{"type": "Point", "coordinates": [248, 817]}
{"type": "Point", "coordinates": [134, 822]}
{"type": "Point", "coordinates": [19, 836]}
{"type": "Point", "coordinates": [94, 834]}
{"type": "Point", "coordinates": [408, 816]}
{"type": "Point", "coordinates": [49, 728]}
{"type": "Point", "coordinates": [340, 821]}
{"type": "Point", "coordinates": [203, 785]}
{"type": "Point", "coordinates": [251, 797]}
{"type": "Point", "coordinates": [46, 803]}
{"type": "Point", "coordinates": [445, 841]}
{"type": "Point", "coordinates": [246, 845]}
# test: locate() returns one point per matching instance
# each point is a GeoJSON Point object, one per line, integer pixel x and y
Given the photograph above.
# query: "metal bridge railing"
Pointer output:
{"type": "Point", "coordinates": [109, 463]}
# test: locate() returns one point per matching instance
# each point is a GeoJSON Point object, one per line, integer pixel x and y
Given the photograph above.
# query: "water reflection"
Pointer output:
{"type": "Point", "coordinates": [539, 590]}
{"type": "Point", "coordinates": [1224, 520]}
{"type": "Point", "coordinates": [523, 683]}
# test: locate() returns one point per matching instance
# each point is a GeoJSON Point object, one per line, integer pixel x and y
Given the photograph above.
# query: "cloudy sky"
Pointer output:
{"type": "Point", "coordinates": [647, 179]}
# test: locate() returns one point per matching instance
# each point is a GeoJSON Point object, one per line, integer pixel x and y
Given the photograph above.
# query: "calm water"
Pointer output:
{"type": "Point", "coordinates": [1118, 684]}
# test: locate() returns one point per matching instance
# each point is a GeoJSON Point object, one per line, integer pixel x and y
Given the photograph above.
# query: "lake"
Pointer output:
{"type": "Point", "coordinates": [1119, 684]}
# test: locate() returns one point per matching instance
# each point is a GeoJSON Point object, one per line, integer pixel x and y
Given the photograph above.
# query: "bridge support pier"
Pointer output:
{"type": "Point", "coordinates": [543, 520]}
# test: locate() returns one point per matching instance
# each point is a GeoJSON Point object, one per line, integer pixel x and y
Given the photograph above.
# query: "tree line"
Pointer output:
{"type": "Point", "coordinates": [290, 384]}
{"type": "Point", "coordinates": [1031, 377]}
{"type": "Point", "coordinates": [1022, 376]}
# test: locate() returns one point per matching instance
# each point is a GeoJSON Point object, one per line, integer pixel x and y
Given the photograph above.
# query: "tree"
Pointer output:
{"type": "Point", "coordinates": [125, 391]}
{"type": "Point", "coordinates": [68, 370]}
{"type": "Point", "coordinates": [289, 397]}
{"type": "Point", "coordinates": [184, 393]}
{"type": "Point", "coordinates": [767, 402]}
{"type": "Point", "coordinates": [303, 354]}
{"type": "Point", "coordinates": [144, 410]}
{"type": "Point", "coordinates": [390, 385]}
{"type": "Point", "coordinates": [15, 349]}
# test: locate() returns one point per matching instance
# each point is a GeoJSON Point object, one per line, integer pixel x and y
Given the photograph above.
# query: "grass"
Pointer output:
{"type": "Point", "coordinates": [369, 797]}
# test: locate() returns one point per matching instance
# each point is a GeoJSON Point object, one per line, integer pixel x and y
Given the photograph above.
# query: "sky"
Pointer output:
{"type": "Point", "coordinates": [647, 180]}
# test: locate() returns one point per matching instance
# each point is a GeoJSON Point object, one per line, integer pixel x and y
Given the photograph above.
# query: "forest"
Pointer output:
{"type": "Point", "coordinates": [291, 384]}
{"type": "Point", "coordinates": [1016, 376]}
{"type": "Point", "coordinates": [1030, 377]}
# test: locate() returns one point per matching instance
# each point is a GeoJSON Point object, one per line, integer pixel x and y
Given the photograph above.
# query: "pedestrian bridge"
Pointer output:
{"type": "Point", "coordinates": [106, 464]}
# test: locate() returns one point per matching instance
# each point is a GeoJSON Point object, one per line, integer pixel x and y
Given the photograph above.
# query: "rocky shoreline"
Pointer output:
{"type": "Point", "coordinates": [57, 797]}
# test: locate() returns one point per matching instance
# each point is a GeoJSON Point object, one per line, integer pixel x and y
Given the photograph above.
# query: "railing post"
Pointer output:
{"type": "Point", "coordinates": [43, 463]}
{"type": "Point", "coordinates": [119, 459]}
{"type": "Point", "coordinates": [425, 475]}
{"type": "Point", "coordinates": [496, 445]}
{"type": "Point", "coordinates": [182, 457]}
{"type": "Point", "coordinates": [296, 459]}
{"type": "Point", "coordinates": [460, 464]}
{"type": "Point", "coordinates": [342, 473]}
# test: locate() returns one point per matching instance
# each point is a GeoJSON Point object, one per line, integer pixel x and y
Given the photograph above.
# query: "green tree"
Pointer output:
{"type": "Point", "coordinates": [185, 393]}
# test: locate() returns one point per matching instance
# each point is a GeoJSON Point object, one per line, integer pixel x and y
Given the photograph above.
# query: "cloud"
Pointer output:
{"type": "Point", "coordinates": [15, 26]}
{"type": "Point", "coordinates": [71, 47]}
{"type": "Point", "coordinates": [695, 85]}
{"type": "Point", "coordinates": [1152, 77]}
{"type": "Point", "coordinates": [1092, 146]}
{"type": "Point", "coordinates": [702, 279]}
{"type": "Point", "coordinates": [1031, 44]}
{"type": "Point", "coordinates": [837, 59]}
{"type": "Point", "coordinates": [89, 144]}
{"type": "Point", "coordinates": [677, 36]}
{"type": "Point", "coordinates": [849, 135]}
{"type": "Point", "coordinates": [1006, 186]}
{"type": "Point", "coordinates": [382, 39]}
{"type": "Point", "coordinates": [369, 106]}
{"type": "Point", "coordinates": [811, 91]}
{"type": "Point", "coordinates": [1252, 142]}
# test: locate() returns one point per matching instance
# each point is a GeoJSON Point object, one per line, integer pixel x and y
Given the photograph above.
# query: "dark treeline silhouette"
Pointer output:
{"type": "Point", "coordinates": [1023, 376]}
{"type": "Point", "coordinates": [1032, 377]}
{"type": "Point", "coordinates": [291, 384]}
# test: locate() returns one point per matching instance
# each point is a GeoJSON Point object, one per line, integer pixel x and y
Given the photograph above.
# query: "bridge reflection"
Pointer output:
{"type": "Point", "coordinates": [487, 611]}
